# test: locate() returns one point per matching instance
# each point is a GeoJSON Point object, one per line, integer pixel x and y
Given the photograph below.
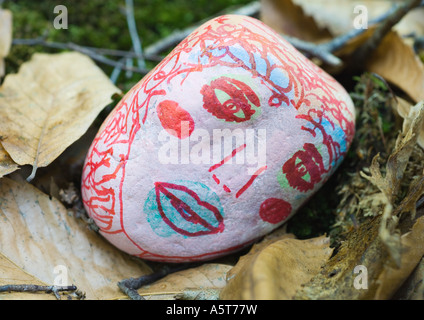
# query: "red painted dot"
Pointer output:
{"type": "Point", "coordinates": [175, 119]}
{"type": "Point", "coordinates": [274, 210]}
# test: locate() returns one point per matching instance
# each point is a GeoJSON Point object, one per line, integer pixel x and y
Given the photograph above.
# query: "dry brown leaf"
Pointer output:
{"type": "Point", "coordinates": [38, 234]}
{"type": "Point", "coordinates": [49, 104]}
{"type": "Point", "coordinates": [389, 185]}
{"type": "Point", "coordinates": [413, 287]}
{"type": "Point", "coordinates": [287, 18]}
{"type": "Point", "coordinates": [5, 37]}
{"type": "Point", "coordinates": [398, 160]}
{"type": "Point", "coordinates": [192, 283]}
{"type": "Point", "coordinates": [364, 248]}
{"type": "Point", "coordinates": [412, 23]}
{"type": "Point", "coordinates": [338, 15]}
{"type": "Point", "coordinates": [11, 274]}
{"type": "Point", "coordinates": [403, 107]}
{"type": "Point", "coordinates": [396, 62]}
{"type": "Point", "coordinates": [278, 270]}
{"type": "Point", "coordinates": [391, 278]}
{"type": "Point", "coordinates": [7, 165]}
{"type": "Point", "coordinates": [274, 236]}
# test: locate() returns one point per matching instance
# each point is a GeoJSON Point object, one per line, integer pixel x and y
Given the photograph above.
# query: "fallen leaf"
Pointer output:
{"type": "Point", "coordinates": [203, 282]}
{"type": "Point", "coordinates": [41, 238]}
{"type": "Point", "coordinates": [7, 165]}
{"type": "Point", "coordinates": [278, 234]}
{"type": "Point", "coordinates": [287, 18]}
{"type": "Point", "coordinates": [392, 278]}
{"type": "Point", "coordinates": [11, 274]}
{"type": "Point", "coordinates": [395, 61]}
{"type": "Point", "coordinates": [5, 37]}
{"type": "Point", "coordinates": [49, 104]}
{"type": "Point", "coordinates": [412, 23]}
{"type": "Point", "coordinates": [398, 160]}
{"type": "Point", "coordinates": [413, 287]}
{"type": "Point", "coordinates": [402, 107]}
{"type": "Point", "coordinates": [278, 270]}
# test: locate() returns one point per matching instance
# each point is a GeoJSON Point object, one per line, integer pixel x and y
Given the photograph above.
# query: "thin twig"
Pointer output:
{"type": "Point", "coordinates": [316, 50]}
{"type": "Point", "coordinates": [392, 19]}
{"type": "Point", "coordinates": [325, 51]}
{"type": "Point", "coordinates": [85, 50]}
{"type": "Point", "coordinates": [37, 288]}
{"type": "Point", "coordinates": [322, 51]}
{"type": "Point", "coordinates": [129, 10]}
{"type": "Point", "coordinates": [340, 41]}
{"type": "Point", "coordinates": [116, 72]}
{"type": "Point", "coordinates": [130, 286]}
{"type": "Point", "coordinates": [125, 54]}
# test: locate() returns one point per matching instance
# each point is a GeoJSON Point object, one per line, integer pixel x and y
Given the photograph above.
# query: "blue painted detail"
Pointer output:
{"type": "Point", "coordinates": [205, 194]}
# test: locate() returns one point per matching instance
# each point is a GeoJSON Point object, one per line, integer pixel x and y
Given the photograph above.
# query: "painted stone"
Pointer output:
{"type": "Point", "coordinates": [218, 145]}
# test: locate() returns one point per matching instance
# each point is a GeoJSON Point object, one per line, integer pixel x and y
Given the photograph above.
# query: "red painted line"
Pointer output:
{"type": "Point", "coordinates": [249, 183]}
{"type": "Point", "coordinates": [226, 188]}
{"type": "Point", "coordinates": [227, 158]}
{"type": "Point", "coordinates": [216, 179]}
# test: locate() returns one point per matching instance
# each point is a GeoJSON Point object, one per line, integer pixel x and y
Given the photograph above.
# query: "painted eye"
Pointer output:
{"type": "Point", "coordinates": [239, 103]}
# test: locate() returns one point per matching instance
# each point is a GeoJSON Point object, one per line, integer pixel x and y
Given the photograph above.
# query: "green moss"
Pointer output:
{"type": "Point", "coordinates": [317, 216]}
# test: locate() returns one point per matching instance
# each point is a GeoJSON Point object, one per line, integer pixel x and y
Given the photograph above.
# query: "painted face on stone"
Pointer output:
{"type": "Point", "coordinates": [220, 143]}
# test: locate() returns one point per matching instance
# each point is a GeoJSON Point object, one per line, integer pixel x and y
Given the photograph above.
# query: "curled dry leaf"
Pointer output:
{"type": "Point", "coordinates": [202, 283]}
{"type": "Point", "coordinates": [398, 160]}
{"type": "Point", "coordinates": [396, 62]}
{"type": "Point", "coordinates": [49, 104]}
{"type": "Point", "coordinates": [5, 37]}
{"type": "Point", "coordinates": [413, 287]}
{"type": "Point", "coordinates": [278, 270]}
{"type": "Point", "coordinates": [402, 107]}
{"type": "Point", "coordinates": [391, 278]}
{"type": "Point", "coordinates": [286, 17]}
{"type": "Point", "coordinates": [390, 184]}
{"type": "Point", "coordinates": [38, 235]}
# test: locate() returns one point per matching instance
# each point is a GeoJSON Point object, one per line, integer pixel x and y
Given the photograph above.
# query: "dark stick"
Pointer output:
{"type": "Point", "coordinates": [131, 285]}
{"type": "Point", "coordinates": [85, 50]}
{"type": "Point", "coordinates": [37, 288]}
{"type": "Point", "coordinates": [374, 41]}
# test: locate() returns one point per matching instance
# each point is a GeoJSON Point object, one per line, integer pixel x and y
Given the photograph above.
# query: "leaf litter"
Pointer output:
{"type": "Point", "coordinates": [379, 221]}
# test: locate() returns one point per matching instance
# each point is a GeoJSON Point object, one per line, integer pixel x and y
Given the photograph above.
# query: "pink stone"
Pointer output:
{"type": "Point", "coordinates": [217, 146]}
